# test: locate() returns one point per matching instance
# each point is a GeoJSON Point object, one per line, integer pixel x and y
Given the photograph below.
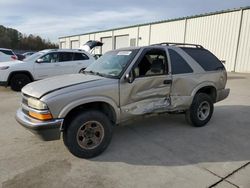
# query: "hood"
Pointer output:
{"type": "Point", "coordinates": [90, 45]}
{"type": "Point", "coordinates": [40, 88]}
{"type": "Point", "coordinates": [10, 63]}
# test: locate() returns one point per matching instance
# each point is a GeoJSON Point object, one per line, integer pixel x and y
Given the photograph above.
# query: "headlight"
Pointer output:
{"type": "Point", "coordinates": [37, 104]}
{"type": "Point", "coordinates": [4, 67]}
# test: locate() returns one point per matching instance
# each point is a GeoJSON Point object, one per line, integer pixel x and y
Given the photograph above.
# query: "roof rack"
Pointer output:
{"type": "Point", "coordinates": [177, 44]}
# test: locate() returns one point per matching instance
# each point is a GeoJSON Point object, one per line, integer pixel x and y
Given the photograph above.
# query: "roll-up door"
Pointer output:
{"type": "Point", "coordinates": [75, 44]}
{"type": "Point", "coordinates": [63, 45]}
{"type": "Point", "coordinates": [121, 41]}
{"type": "Point", "coordinates": [107, 44]}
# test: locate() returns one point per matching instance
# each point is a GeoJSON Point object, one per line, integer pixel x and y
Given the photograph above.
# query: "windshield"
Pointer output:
{"type": "Point", "coordinates": [112, 63]}
{"type": "Point", "coordinates": [33, 57]}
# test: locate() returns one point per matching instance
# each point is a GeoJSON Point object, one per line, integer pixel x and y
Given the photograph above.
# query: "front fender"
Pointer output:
{"type": "Point", "coordinates": [79, 102]}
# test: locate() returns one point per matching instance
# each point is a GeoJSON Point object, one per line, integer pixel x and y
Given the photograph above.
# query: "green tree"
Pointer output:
{"type": "Point", "coordinates": [12, 38]}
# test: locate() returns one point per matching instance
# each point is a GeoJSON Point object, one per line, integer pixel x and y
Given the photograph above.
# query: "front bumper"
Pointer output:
{"type": "Point", "coordinates": [46, 130]}
{"type": "Point", "coordinates": [222, 94]}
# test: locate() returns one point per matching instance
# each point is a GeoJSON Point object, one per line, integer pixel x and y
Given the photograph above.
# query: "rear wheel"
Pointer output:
{"type": "Point", "coordinates": [200, 111]}
{"type": "Point", "coordinates": [88, 134]}
{"type": "Point", "coordinates": [18, 81]}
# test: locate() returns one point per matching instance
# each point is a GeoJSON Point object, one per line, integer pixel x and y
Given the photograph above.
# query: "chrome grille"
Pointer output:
{"type": "Point", "coordinates": [25, 99]}
{"type": "Point", "coordinates": [25, 102]}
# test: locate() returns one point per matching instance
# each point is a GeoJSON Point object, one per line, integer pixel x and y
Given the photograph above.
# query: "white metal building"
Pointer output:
{"type": "Point", "coordinates": [225, 33]}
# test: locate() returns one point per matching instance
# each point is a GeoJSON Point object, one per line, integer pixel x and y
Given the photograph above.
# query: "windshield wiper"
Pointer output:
{"type": "Point", "coordinates": [100, 74]}
{"type": "Point", "coordinates": [90, 72]}
{"type": "Point", "coordinates": [95, 73]}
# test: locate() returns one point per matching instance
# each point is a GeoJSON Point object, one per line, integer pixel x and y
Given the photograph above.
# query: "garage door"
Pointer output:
{"type": "Point", "coordinates": [75, 44]}
{"type": "Point", "coordinates": [107, 44]}
{"type": "Point", "coordinates": [121, 41]}
{"type": "Point", "coordinates": [63, 45]}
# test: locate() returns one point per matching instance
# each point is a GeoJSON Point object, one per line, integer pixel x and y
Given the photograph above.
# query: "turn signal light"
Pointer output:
{"type": "Point", "coordinates": [41, 116]}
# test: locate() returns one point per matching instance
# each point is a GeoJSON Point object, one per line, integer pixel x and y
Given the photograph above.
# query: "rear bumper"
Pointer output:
{"type": "Point", "coordinates": [45, 130]}
{"type": "Point", "coordinates": [222, 94]}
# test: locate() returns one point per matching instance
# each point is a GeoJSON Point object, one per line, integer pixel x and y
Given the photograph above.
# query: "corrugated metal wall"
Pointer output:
{"type": "Point", "coordinates": [226, 34]}
{"type": "Point", "coordinates": [169, 31]}
{"type": "Point", "coordinates": [218, 33]}
{"type": "Point", "coordinates": [243, 55]}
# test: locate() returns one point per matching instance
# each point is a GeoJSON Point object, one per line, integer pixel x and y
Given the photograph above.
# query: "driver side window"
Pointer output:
{"type": "Point", "coordinates": [153, 62]}
{"type": "Point", "coordinates": [50, 58]}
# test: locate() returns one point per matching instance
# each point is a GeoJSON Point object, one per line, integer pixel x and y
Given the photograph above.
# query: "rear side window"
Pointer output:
{"type": "Point", "coordinates": [65, 56]}
{"type": "Point", "coordinates": [80, 56]}
{"type": "Point", "coordinates": [178, 64]}
{"type": "Point", "coordinates": [205, 59]}
{"type": "Point", "coordinates": [7, 52]}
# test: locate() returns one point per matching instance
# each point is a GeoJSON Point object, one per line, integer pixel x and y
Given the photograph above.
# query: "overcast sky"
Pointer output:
{"type": "Point", "coordinates": [54, 18]}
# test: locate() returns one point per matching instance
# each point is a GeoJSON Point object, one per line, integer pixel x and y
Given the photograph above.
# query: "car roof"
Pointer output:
{"type": "Point", "coordinates": [5, 49]}
{"type": "Point", "coordinates": [164, 45]}
{"type": "Point", "coordinates": [63, 50]}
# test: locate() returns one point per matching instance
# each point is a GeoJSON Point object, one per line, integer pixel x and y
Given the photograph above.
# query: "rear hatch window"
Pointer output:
{"type": "Point", "coordinates": [7, 52]}
{"type": "Point", "coordinates": [204, 58]}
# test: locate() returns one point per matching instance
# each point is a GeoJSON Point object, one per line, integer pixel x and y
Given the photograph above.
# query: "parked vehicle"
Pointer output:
{"type": "Point", "coordinates": [119, 86]}
{"type": "Point", "coordinates": [20, 57]}
{"type": "Point", "coordinates": [7, 55]}
{"type": "Point", "coordinates": [43, 64]}
{"type": "Point", "coordinates": [90, 45]}
{"type": "Point", "coordinates": [27, 54]}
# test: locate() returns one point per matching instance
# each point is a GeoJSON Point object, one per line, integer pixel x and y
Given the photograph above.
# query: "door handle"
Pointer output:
{"type": "Point", "coordinates": [167, 82]}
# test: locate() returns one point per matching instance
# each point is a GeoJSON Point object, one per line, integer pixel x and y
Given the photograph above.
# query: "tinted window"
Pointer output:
{"type": "Point", "coordinates": [50, 58]}
{"type": "Point", "coordinates": [178, 64]}
{"type": "Point", "coordinates": [65, 56]}
{"type": "Point", "coordinates": [7, 52]}
{"type": "Point", "coordinates": [204, 58]}
{"type": "Point", "coordinates": [80, 56]}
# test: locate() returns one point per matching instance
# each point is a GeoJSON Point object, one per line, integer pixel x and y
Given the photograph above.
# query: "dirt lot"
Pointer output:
{"type": "Point", "coordinates": [160, 151]}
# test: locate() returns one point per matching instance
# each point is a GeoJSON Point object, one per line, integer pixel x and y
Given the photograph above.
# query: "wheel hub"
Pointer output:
{"type": "Point", "coordinates": [90, 135]}
{"type": "Point", "coordinates": [203, 110]}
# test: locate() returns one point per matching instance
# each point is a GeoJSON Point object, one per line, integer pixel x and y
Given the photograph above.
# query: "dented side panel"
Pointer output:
{"type": "Point", "coordinates": [185, 86]}
{"type": "Point", "coordinates": [144, 95]}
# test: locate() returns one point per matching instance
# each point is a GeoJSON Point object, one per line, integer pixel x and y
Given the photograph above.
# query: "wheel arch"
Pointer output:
{"type": "Point", "coordinates": [208, 88]}
{"type": "Point", "coordinates": [19, 72]}
{"type": "Point", "coordinates": [107, 107]}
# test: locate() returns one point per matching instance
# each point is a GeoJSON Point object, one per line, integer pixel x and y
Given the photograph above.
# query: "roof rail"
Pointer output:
{"type": "Point", "coordinates": [177, 44]}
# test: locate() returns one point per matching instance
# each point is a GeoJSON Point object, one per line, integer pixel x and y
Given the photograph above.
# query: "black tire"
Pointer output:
{"type": "Point", "coordinates": [73, 141]}
{"type": "Point", "coordinates": [18, 81]}
{"type": "Point", "coordinates": [196, 115]}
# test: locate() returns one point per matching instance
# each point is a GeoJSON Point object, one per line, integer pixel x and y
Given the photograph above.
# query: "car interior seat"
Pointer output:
{"type": "Point", "coordinates": [157, 67]}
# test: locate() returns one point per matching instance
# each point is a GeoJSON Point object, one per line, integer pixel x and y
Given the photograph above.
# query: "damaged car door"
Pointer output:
{"type": "Point", "coordinates": [146, 88]}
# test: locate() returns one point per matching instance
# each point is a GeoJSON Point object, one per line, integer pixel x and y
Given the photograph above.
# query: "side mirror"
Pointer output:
{"type": "Point", "coordinates": [223, 61]}
{"type": "Point", "coordinates": [129, 77]}
{"type": "Point", "coordinates": [39, 60]}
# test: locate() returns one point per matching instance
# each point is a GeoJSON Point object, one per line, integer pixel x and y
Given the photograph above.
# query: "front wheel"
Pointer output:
{"type": "Point", "coordinates": [88, 134]}
{"type": "Point", "coordinates": [18, 81]}
{"type": "Point", "coordinates": [200, 111]}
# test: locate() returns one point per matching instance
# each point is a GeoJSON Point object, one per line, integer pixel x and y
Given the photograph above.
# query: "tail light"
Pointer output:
{"type": "Point", "coordinates": [14, 57]}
